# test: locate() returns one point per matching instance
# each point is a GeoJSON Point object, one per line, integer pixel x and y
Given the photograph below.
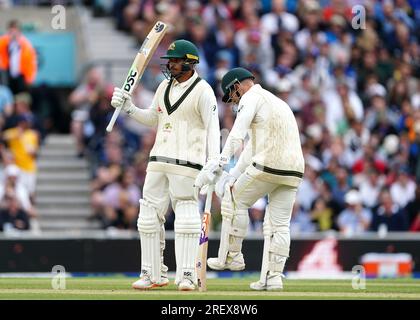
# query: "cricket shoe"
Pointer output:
{"type": "Point", "coordinates": [234, 262]}
{"type": "Point", "coordinates": [274, 282]}
{"type": "Point", "coordinates": [145, 283]}
{"type": "Point", "coordinates": [186, 284]}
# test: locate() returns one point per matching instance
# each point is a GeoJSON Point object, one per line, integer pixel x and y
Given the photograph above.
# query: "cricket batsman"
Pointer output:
{"type": "Point", "coordinates": [271, 164]}
{"type": "Point", "coordinates": [184, 109]}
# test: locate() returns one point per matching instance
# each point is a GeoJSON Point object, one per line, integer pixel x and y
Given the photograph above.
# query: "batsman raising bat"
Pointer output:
{"type": "Point", "coordinates": [184, 110]}
{"type": "Point", "coordinates": [271, 164]}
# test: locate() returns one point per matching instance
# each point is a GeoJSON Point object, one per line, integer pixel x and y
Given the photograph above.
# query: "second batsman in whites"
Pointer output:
{"type": "Point", "coordinates": [184, 109]}
{"type": "Point", "coordinates": [271, 164]}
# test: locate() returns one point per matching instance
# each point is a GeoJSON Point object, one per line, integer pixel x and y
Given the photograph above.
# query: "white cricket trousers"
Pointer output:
{"type": "Point", "coordinates": [160, 187]}
{"type": "Point", "coordinates": [281, 198]}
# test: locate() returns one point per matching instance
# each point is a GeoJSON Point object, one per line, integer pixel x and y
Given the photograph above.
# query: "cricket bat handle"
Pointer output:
{"type": "Point", "coordinates": [113, 119]}
{"type": "Point", "coordinates": [209, 198]}
{"type": "Point", "coordinates": [204, 242]}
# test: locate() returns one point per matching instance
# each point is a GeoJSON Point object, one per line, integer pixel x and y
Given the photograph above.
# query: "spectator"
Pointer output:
{"type": "Point", "coordinates": [12, 215]}
{"type": "Point", "coordinates": [389, 214]}
{"type": "Point", "coordinates": [342, 185]}
{"type": "Point", "coordinates": [308, 190]}
{"type": "Point", "coordinates": [283, 89]}
{"type": "Point", "coordinates": [12, 186]}
{"type": "Point", "coordinates": [354, 139]}
{"type": "Point", "coordinates": [24, 143]}
{"type": "Point", "coordinates": [370, 187]}
{"type": "Point", "coordinates": [342, 105]}
{"type": "Point", "coordinates": [121, 201]}
{"type": "Point", "coordinates": [322, 215]}
{"type": "Point", "coordinates": [403, 190]}
{"type": "Point", "coordinates": [17, 58]}
{"type": "Point", "coordinates": [301, 221]}
{"type": "Point", "coordinates": [279, 19]}
{"type": "Point", "coordinates": [83, 98]}
{"type": "Point", "coordinates": [23, 107]}
{"type": "Point", "coordinates": [253, 41]}
{"type": "Point", "coordinates": [355, 219]}
{"type": "Point", "coordinates": [214, 12]}
{"type": "Point", "coordinates": [309, 38]}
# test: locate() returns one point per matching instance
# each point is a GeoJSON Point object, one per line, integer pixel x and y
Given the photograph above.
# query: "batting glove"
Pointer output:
{"type": "Point", "coordinates": [121, 99]}
{"type": "Point", "coordinates": [208, 175]}
{"type": "Point", "coordinates": [226, 181]}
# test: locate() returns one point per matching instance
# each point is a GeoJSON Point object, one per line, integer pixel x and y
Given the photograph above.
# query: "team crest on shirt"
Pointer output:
{"type": "Point", "coordinates": [167, 127]}
{"type": "Point", "coordinates": [159, 110]}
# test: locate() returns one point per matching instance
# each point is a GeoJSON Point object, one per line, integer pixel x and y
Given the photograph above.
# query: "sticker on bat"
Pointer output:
{"type": "Point", "coordinates": [204, 227]}
{"type": "Point", "coordinates": [131, 80]}
{"type": "Point", "coordinates": [159, 27]}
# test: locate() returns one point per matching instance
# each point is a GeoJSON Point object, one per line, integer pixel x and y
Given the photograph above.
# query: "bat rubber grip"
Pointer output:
{"type": "Point", "coordinates": [114, 118]}
{"type": "Point", "coordinates": [209, 197]}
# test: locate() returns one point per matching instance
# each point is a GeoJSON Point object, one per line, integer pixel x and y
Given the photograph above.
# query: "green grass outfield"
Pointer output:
{"type": "Point", "coordinates": [220, 289]}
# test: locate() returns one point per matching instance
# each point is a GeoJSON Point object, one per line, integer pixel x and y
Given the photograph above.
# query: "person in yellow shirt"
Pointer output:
{"type": "Point", "coordinates": [23, 143]}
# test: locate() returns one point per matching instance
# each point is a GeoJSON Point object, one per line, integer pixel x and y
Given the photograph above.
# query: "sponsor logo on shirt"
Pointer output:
{"type": "Point", "coordinates": [167, 127]}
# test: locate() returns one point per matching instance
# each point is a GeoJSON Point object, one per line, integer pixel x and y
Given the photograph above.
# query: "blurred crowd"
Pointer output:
{"type": "Point", "coordinates": [350, 77]}
{"type": "Point", "coordinates": [352, 82]}
{"type": "Point", "coordinates": [20, 131]}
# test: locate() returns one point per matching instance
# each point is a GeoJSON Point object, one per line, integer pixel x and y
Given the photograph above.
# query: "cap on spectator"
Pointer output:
{"type": "Point", "coordinates": [162, 7]}
{"type": "Point", "coordinates": [353, 197]}
{"type": "Point", "coordinates": [314, 131]}
{"type": "Point", "coordinates": [312, 5]}
{"type": "Point", "coordinates": [193, 5]}
{"type": "Point", "coordinates": [289, 23]}
{"type": "Point", "coordinates": [284, 85]}
{"type": "Point", "coordinates": [376, 89]}
{"type": "Point", "coordinates": [338, 20]}
{"type": "Point", "coordinates": [12, 170]}
{"type": "Point", "coordinates": [23, 97]}
{"type": "Point", "coordinates": [391, 143]}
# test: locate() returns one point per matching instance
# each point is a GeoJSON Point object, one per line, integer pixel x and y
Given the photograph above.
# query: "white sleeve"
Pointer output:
{"type": "Point", "coordinates": [210, 116]}
{"type": "Point", "coordinates": [148, 117]}
{"type": "Point", "coordinates": [244, 160]}
{"type": "Point", "coordinates": [246, 113]}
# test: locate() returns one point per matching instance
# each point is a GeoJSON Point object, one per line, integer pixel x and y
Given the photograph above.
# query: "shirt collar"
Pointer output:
{"type": "Point", "coordinates": [185, 83]}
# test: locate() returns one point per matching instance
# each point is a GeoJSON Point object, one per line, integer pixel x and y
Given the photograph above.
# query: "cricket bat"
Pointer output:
{"type": "Point", "coordinates": [140, 62]}
{"type": "Point", "coordinates": [204, 242]}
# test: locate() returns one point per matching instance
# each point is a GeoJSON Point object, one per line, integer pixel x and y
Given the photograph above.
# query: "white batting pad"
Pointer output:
{"type": "Point", "coordinates": [187, 234]}
{"type": "Point", "coordinates": [150, 230]}
{"type": "Point", "coordinates": [234, 227]}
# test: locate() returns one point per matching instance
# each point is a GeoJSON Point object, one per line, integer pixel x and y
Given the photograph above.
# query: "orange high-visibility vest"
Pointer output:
{"type": "Point", "coordinates": [28, 62]}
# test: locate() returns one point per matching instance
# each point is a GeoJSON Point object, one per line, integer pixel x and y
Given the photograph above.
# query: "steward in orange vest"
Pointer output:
{"type": "Point", "coordinates": [17, 58]}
